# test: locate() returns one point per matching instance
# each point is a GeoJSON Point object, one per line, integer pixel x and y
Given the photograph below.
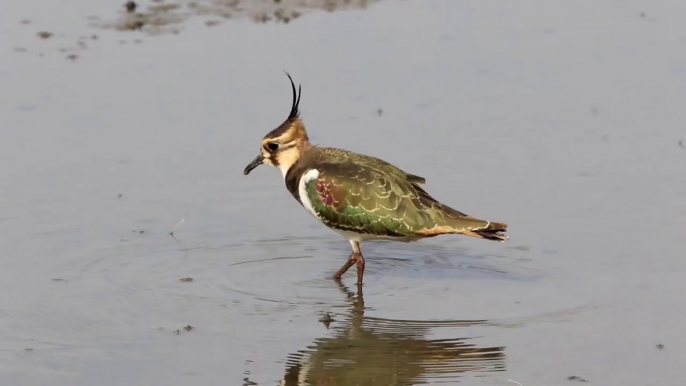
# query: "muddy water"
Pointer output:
{"type": "Point", "coordinates": [565, 120]}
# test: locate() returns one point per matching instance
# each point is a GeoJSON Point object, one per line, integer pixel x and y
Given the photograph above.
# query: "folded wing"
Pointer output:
{"type": "Point", "coordinates": [366, 199]}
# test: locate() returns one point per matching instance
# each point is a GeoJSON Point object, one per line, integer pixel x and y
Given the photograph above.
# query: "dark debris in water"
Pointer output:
{"type": "Point", "coordinates": [187, 328]}
{"type": "Point", "coordinates": [186, 279]}
{"type": "Point", "coordinates": [660, 346]}
{"type": "Point", "coordinates": [168, 16]}
{"type": "Point", "coordinates": [165, 16]}
{"type": "Point", "coordinates": [327, 319]}
{"type": "Point", "coordinates": [576, 378]}
{"type": "Point", "coordinates": [248, 382]}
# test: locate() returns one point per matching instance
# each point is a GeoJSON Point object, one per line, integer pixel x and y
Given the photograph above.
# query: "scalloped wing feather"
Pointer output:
{"type": "Point", "coordinates": [366, 199]}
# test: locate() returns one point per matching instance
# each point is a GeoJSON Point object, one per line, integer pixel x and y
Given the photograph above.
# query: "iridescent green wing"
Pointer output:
{"type": "Point", "coordinates": [366, 198]}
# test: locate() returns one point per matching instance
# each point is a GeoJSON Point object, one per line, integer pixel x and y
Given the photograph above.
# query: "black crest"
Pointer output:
{"type": "Point", "coordinates": [296, 99]}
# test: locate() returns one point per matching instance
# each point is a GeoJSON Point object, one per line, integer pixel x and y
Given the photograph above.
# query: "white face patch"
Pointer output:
{"type": "Point", "coordinates": [287, 155]}
{"type": "Point", "coordinates": [310, 175]}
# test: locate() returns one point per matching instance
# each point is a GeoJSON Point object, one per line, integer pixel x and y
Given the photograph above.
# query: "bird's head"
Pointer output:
{"type": "Point", "coordinates": [283, 146]}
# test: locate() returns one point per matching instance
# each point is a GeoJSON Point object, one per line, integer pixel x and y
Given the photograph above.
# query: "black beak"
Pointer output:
{"type": "Point", "coordinates": [253, 164]}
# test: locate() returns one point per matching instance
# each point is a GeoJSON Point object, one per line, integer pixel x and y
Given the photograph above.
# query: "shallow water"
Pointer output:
{"type": "Point", "coordinates": [563, 119]}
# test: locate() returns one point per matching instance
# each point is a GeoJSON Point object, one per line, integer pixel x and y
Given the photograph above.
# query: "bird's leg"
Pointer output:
{"type": "Point", "coordinates": [360, 269]}
{"type": "Point", "coordinates": [354, 258]}
{"type": "Point", "coordinates": [359, 261]}
{"type": "Point", "coordinates": [351, 261]}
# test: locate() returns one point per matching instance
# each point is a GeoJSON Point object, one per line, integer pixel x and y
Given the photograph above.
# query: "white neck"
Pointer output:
{"type": "Point", "coordinates": [284, 169]}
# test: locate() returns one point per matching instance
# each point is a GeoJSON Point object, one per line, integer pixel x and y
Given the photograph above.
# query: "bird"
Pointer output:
{"type": "Point", "coordinates": [361, 197]}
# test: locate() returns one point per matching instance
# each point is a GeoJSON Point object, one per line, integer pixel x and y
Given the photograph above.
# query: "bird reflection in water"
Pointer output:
{"type": "Point", "coordinates": [375, 351]}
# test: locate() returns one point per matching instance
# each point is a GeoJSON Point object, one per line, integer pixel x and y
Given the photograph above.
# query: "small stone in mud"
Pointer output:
{"type": "Point", "coordinates": [131, 6]}
{"type": "Point", "coordinates": [135, 25]}
{"type": "Point", "coordinates": [212, 23]}
{"type": "Point", "coordinates": [141, 232]}
{"type": "Point", "coordinates": [166, 7]}
{"type": "Point", "coordinates": [44, 34]}
{"type": "Point", "coordinates": [281, 15]}
{"type": "Point", "coordinates": [188, 327]}
{"type": "Point", "coordinates": [659, 346]}
{"type": "Point", "coordinates": [186, 279]}
{"type": "Point", "coordinates": [72, 57]}
{"type": "Point", "coordinates": [576, 378]}
{"type": "Point", "coordinates": [261, 18]}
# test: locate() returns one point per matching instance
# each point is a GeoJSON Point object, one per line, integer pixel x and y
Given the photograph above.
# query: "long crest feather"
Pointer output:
{"type": "Point", "coordinates": [296, 99]}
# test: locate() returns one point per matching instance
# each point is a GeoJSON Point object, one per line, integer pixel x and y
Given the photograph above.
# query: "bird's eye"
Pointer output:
{"type": "Point", "coordinates": [272, 146]}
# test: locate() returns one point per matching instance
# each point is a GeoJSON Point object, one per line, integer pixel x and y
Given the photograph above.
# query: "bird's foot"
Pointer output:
{"type": "Point", "coordinates": [352, 260]}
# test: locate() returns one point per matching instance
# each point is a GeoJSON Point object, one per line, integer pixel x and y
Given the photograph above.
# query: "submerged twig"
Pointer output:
{"type": "Point", "coordinates": [176, 226]}
{"type": "Point", "coordinates": [179, 224]}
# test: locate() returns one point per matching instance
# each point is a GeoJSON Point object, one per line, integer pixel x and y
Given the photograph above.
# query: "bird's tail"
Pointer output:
{"type": "Point", "coordinates": [491, 232]}
{"type": "Point", "coordinates": [469, 226]}
{"type": "Point", "coordinates": [450, 221]}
